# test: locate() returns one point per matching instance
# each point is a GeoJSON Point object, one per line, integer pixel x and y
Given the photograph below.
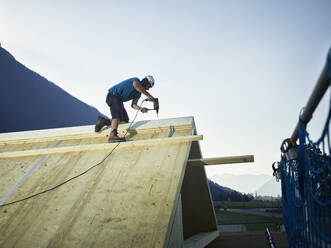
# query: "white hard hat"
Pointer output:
{"type": "Point", "coordinates": [150, 80]}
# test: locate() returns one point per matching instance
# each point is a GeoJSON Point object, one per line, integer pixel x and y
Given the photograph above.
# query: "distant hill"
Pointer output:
{"type": "Point", "coordinates": [270, 188]}
{"type": "Point", "coordinates": [220, 193]}
{"type": "Point", "coordinates": [29, 101]}
{"type": "Point", "coordinates": [247, 183]}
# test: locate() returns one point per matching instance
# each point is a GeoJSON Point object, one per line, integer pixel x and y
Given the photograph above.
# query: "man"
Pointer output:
{"type": "Point", "coordinates": [130, 89]}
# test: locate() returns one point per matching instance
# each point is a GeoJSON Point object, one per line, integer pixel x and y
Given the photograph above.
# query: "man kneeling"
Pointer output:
{"type": "Point", "coordinates": [130, 89]}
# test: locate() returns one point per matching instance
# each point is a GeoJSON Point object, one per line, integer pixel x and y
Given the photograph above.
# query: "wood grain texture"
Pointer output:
{"type": "Point", "coordinates": [134, 198]}
{"type": "Point", "coordinates": [84, 132]}
{"type": "Point", "coordinates": [103, 146]}
{"type": "Point", "coordinates": [176, 234]}
{"type": "Point", "coordinates": [125, 202]}
{"type": "Point", "coordinates": [88, 138]}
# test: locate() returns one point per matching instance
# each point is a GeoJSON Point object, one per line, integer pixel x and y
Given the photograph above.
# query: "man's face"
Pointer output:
{"type": "Point", "coordinates": [148, 86]}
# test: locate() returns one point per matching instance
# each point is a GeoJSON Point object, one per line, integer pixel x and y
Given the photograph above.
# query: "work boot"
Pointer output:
{"type": "Point", "coordinates": [113, 138]}
{"type": "Point", "coordinates": [101, 122]}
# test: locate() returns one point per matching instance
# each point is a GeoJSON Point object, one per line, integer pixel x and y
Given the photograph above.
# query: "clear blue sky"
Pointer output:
{"type": "Point", "coordinates": [243, 69]}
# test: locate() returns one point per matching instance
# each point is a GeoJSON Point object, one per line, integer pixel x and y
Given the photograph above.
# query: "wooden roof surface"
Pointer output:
{"type": "Point", "coordinates": [127, 201]}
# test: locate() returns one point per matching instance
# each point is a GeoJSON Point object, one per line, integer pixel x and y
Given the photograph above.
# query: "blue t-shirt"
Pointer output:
{"type": "Point", "coordinates": [125, 90]}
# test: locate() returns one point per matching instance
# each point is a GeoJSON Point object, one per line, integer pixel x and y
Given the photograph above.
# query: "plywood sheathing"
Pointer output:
{"type": "Point", "coordinates": [129, 200]}
{"type": "Point", "coordinates": [83, 135]}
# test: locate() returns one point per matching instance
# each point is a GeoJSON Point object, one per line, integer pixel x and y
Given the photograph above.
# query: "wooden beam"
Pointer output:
{"type": "Point", "coordinates": [76, 133]}
{"type": "Point", "coordinates": [67, 133]}
{"type": "Point", "coordinates": [201, 239]}
{"type": "Point", "coordinates": [221, 160]}
{"type": "Point", "coordinates": [105, 146]}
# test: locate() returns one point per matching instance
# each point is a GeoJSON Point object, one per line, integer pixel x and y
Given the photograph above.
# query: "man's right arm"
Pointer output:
{"type": "Point", "coordinates": [141, 89]}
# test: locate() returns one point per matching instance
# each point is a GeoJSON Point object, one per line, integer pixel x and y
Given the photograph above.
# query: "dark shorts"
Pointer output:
{"type": "Point", "coordinates": [117, 109]}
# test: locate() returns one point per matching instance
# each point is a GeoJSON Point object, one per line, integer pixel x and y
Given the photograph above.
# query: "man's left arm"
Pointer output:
{"type": "Point", "coordinates": [134, 105]}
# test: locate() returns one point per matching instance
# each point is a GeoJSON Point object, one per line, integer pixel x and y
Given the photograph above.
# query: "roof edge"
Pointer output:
{"type": "Point", "coordinates": [88, 131]}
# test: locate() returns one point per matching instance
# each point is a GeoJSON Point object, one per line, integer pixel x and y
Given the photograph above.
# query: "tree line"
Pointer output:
{"type": "Point", "coordinates": [220, 193]}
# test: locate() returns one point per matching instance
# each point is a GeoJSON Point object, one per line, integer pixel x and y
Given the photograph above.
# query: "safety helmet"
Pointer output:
{"type": "Point", "coordinates": [150, 80]}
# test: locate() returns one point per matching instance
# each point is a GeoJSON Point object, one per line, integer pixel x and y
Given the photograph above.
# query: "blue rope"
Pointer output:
{"type": "Point", "coordinates": [306, 187]}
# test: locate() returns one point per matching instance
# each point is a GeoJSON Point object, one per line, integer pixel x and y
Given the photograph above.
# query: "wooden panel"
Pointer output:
{"type": "Point", "coordinates": [104, 146]}
{"type": "Point", "coordinates": [178, 196]}
{"type": "Point", "coordinates": [89, 138]}
{"type": "Point", "coordinates": [12, 170]}
{"type": "Point", "coordinates": [128, 201]}
{"type": "Point", "coordinates": [176, 239]}
{"type": "Point", "coordinates": [125, 202]}
{"type": "Point", "coordinates": [84, 132]}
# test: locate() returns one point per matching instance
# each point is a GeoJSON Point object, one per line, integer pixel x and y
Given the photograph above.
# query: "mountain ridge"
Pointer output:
{"type": "Point", "coordinates": [270, 188]}
{"type": "Point", "coordinates": [245, 183]}
{"type": "Point", "coordinates": [28, 101]}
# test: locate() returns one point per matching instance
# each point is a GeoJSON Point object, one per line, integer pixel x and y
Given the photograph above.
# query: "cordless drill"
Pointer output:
{"type": "Point", "coordinates": [155, 106]}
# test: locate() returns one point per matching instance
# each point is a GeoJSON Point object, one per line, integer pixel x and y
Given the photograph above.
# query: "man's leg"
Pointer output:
{"type": "Point", "coordinates": [113, 137]}
{"type": "Point", "coordinates": [101, 122]}
{"type": "Point", "coordinates": [122, 120]}
{"type": "Point", "coordinates": [114, 123]}
{"type": "Point", "coordinates": [116, 108]}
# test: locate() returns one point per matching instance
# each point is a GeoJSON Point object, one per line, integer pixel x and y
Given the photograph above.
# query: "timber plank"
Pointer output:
{"type": "Point", "coordinates": [176, 235]}
{"type": "Point", "coordinates": [221, 160]}
{"type": "Point", "coordinates": [129, 198]}
{"type": "Point", "coordinates": [84, 132]}
{"type": "Point", "coordinates": [104, 146]}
